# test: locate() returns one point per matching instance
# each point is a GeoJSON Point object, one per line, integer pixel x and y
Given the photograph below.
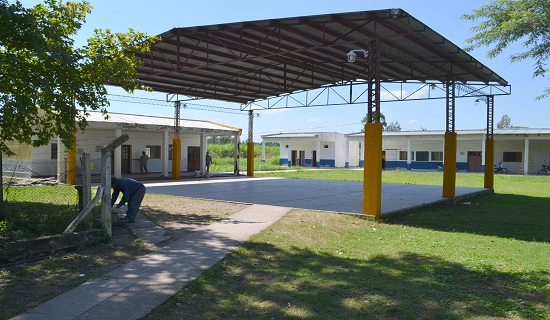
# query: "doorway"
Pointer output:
{"type": "Point", "coordinates": [126, 158]}
{"type": "Point", "coordinates": [474, 161]}
{"type": "Point", "coordinates": [193, 158]}
{"type": "Point", "coordinates": [293, 155]}
{"type": "Point", "coordinates": [314, 158]}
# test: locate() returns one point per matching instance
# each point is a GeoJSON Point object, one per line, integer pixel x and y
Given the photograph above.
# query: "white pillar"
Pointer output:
{"type": "Point", "coordinates": [347, 154]}
{"type": "Point", "coordinates": [318, 150]}
{"type": "Point", "coordinates": [117, 165]}
{"type": "Point", "coordinates": [289, 156]}
{"type": "Point", "coordinates": [409, 154]}
{"type": "Point", "coordinates": [263, 150]}
{"type": "Point", "coordinates": [60, 158]}
{"type": "Point", "coordinates": [203, 148]}
{"type": "Point", "coordinates": [236, 155]}
{"type": "Point", "coordinates": [165, 147]}
{"type": "Point", "coordinates": [526, 157]}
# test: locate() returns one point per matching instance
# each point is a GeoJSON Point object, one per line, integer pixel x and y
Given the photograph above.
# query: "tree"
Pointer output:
{"type": "Point", "coordinates": [505, 122]}
{"type": "Point", "coordinates": [393, 126]}
{"type": "Point", "coordinates": [382, 120]}
{"type": "Point", "coordinates": [508, 21]}
{"type": "Point", "coordinates": [47, 85]}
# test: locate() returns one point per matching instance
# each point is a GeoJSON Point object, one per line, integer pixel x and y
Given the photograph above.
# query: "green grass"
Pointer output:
{"type": "Point", "coordinates": [489, 259]}
{"type": "Point", "coordinates": [35, 211]}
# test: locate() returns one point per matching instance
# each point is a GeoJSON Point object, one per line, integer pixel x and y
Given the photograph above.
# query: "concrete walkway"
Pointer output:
{"type": "Point", "coordinates": [135, 289]}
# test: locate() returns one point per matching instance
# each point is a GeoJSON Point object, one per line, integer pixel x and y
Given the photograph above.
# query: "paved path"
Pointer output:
{"type": "Point", "coordinates": [135, 289]}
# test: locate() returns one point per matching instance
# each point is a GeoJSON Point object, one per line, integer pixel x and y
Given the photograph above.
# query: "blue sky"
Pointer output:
{"type": "Point", "coordinates": [155, 17]}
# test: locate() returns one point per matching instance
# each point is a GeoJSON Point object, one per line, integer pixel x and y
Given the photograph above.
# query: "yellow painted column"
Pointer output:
{"type": "Point", "coordinates": [176, 158]}
{"type": "Point", "coordinates": [250, 159]}
{"type": "Point", "coordinates": [372, 176]}
{"type": "Point", "coordinates": [71, 164]}
{"type": "Point", "coordinates": [489, 177]}
{"type": "Point", "coordinates": [449, 167]}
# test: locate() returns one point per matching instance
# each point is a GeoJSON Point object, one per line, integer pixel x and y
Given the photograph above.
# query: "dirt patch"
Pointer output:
{"type": "Point", "coordinates": [26, 285]}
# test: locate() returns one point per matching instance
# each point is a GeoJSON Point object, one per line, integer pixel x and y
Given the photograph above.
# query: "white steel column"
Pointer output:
{"type": "Point", "coordinates": [60, 157]}
{"type": "Point", "coordinates": [290, 153]}
{"type": "Point", "coordinates": [347, 154]}
{"type": "Point", "coordinates": [203, 149]}
{"type": "Point", "coordinates": [263, 150]}
{"type": "Point", "coordinates": [318, 160]}
{"type": "Point", "coordinates": [117, 165]}
{"type": "Point", "coordinates": [526, 157]}
{"type": "Point", "coordinates": [409, 154]}
{"type": "Point", "coordinates": [165, 148]}
{"type": "Point", "coordinates": [236, 155]}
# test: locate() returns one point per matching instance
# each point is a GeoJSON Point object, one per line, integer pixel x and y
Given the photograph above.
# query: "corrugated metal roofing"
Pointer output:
{"type": "Point", "coordinates": [250, 61]}
{"type": "Point", "coordinates": [132, 119]}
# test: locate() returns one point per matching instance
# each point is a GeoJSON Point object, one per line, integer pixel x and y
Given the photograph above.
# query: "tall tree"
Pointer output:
{"type": "Point", "coordinates": [505, 122]}
{"type": "Point", "coordinates": [382, 120]}
{"type": "Point", "coordinates": [47, 85]}
{"type": "Point", "coordinates": [393, 126]}
{"type": "Point", "coordinates": [508, 21]}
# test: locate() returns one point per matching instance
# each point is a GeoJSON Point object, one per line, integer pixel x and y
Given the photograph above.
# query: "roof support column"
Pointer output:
{"type": "Point", "coordinates": [250, 145]}
{"type": "Point", "coordinates": [176, 144]}
{"type": "Point", "coordinates": [449, 156]}
{"type": "Point", "coordinates": [489, 176]}
{"type": "Point", "coordinates": [372, 178]}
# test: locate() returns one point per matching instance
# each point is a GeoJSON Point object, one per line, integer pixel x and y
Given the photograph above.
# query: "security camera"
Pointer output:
{"type": "Point", "coordinates": [351, 56]}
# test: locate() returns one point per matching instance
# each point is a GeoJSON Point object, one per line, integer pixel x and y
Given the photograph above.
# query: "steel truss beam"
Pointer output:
{"type": "Point", "coordinates": [357, 92]}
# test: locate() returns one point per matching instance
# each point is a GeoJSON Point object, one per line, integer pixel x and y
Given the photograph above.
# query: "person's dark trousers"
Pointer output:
{"type": "Point", "coordinates": [134, 203]}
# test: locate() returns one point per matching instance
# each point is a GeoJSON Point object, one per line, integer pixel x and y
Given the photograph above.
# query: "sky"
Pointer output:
{"type": "Point", "coordinates": [156, 17]}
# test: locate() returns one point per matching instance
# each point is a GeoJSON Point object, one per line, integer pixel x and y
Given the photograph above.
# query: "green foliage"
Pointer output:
{"type": "Point", "coordinates": [505, 122]}
{"type": "Point", "coordinates": [222, 157]}
{"type": "Point", "coordinates": [44, 78]}
{"type": "Point", "coordinates": [508, 21]}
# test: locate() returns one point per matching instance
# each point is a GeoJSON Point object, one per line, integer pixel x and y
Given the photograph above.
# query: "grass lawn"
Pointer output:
{"type": "Point", "coordinates": [489, 259]}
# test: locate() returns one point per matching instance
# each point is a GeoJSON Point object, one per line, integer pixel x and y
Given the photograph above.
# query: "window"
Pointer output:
{"type": "Point", "coordinates": [326, 146]}
{"type": "Point", "coordinates": [53, 151]}
{"type": "Point", "coordinates": [402, 155]}
{"type": "Point", "coordinates": [169, 152]}
{"type": "Point", "coordinates": [437, 155]}
{"type": "Point", "coordinates": [511, 156]}
{"type": "Point", "coordinates": [153, 151]}
{"type": "Point", "coordinates": [422, 156]}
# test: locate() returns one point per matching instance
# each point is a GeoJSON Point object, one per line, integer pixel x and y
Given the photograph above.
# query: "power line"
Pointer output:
{"type": "Point", "coordinates": [156, 102]}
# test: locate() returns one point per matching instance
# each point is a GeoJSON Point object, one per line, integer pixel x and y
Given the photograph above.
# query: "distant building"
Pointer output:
{"type": "Point", "coordinates": [521, 150]}
{"type": "Point", "coordinates": [154, 135]}
{"type": "Point", "coordinates": [314, 149]}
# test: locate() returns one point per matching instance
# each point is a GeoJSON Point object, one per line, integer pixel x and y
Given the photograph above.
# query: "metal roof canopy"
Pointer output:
{"type": "Point", "coordinates": [251, 61]}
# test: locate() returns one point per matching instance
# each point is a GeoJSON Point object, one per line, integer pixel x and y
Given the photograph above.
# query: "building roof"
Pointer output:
{"type": "Point", "coordinates": [300, 135]}
{"type": "Point", "coordinates": [250, 61]}
{"type": "Point", "coordinates": [153, 123]}
{"type": "Point", "coordinates": [496, 132]}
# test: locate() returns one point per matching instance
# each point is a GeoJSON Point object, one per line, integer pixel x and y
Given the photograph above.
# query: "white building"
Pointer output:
{"type": "Point", "coordinates": [521, 150]}
{"type": "Point", "coordinates": [154, 135]}
{"type": "Point", "coordinates": [314, 149]}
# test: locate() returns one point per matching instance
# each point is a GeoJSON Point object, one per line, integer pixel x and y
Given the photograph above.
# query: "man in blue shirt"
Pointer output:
{"type": "Point", "coordinates": [133, 192]}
